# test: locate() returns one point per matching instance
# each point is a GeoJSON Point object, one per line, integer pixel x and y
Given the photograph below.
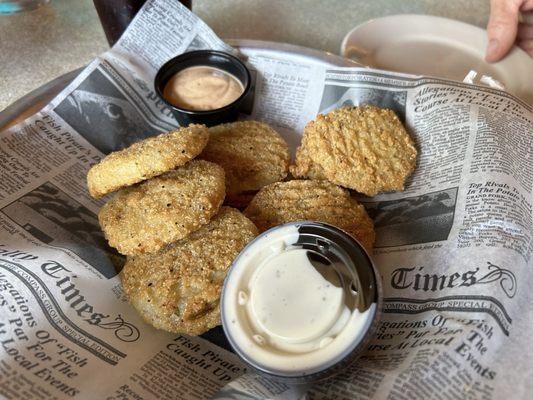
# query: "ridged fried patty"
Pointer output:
{"type": "Point", "coordinates": [145, 217]}
{"type": "Point", "coordinates": [178, 288]}
{"type": "Point", "coordinates": [252, 154]}
{"type": "Point", "coordinates": [146, 159]}
{"type": "Point", "coordinates": [362, 148]}
{"type": "Point", "coordinates": [314, 200]}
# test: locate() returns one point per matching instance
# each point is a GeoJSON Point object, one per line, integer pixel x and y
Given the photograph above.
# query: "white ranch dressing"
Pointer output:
{"type": "Point", "coordinates": [285, 315]}
{"type": "Point", "coordinates": [291, 301]}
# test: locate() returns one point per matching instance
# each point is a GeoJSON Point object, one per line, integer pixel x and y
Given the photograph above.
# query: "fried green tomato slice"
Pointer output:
{"type": "Point", "coordinates": [365, 148]}
{"type": "Point", "coordinates": [252, 154]}
{"type": "Point", "coordinates": [178, 288]}
{"type": "Point", "coordinates": [146, 159]}
{"type": "Point", "coordinates": [145, 217]}
{"type": "Point", "coordinates": [313, 200]}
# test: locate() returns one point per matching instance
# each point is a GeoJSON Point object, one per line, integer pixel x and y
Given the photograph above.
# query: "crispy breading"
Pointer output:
{"type": "Point", "coordinates": [313, 200]}
{"type": "Point", "coordinates": [362, 148]}
{"type": "Point", "coordinates": [252, 154]}
{"type": "Point", "coordinates": [178, 288]}
{"type": "Point", "coordinates": [145, 217]}
{"type": "Point", "coordinates": [305, 167]}
{"type": "Point", "coordinates": [146, 159]}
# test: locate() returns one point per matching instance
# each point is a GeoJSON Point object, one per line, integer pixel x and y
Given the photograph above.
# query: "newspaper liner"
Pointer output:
{"type": "Point", "coordinates": [453, 249]}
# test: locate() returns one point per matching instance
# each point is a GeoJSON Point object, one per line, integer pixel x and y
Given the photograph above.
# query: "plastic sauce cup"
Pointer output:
{"type": "Point", "coordinates": [301, 302]}
{"type": "Point", "coordinates": [207, 58]}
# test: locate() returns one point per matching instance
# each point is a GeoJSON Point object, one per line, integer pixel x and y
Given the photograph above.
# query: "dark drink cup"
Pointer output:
{"type": "Point", "coordinates": [116, 15]}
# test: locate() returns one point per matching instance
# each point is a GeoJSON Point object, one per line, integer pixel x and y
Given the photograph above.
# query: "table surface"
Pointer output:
{"type": "Point", "coordinates": [38, 46]}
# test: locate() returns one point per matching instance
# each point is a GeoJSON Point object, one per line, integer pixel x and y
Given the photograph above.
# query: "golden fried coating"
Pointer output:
{"type": "Point", "coordinates": [313, 200]}
{"type": "Point", "coordinates": [178, 288]}
{"type": "Point", "coordinates": [145, 217]}
{"type": "Point", "coordinates": [146, 159]}
{"type": "Point", "coordinates": [362, 148]}
{"type": "Point", "coordinates": [252, 154]}
{"type": "Point", "coordinates": [304, 166]}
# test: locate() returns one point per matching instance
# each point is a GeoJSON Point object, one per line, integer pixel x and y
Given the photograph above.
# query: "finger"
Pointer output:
{"type": "Point", "coordinates": [501, 28]}
{"type": "Point", "coordinates": [524, 32]}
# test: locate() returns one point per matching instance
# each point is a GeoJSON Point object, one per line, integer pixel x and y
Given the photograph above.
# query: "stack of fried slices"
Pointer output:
{"type": "Point", "coordinates": [168, 216]}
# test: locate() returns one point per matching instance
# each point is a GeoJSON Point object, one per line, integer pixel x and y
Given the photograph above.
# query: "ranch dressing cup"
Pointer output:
{"type": "Point", "coordinates": [301, 302]}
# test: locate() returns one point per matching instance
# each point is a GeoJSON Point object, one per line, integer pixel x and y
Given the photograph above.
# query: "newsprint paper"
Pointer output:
{"type": "Point", "coordinates": [454, 249]}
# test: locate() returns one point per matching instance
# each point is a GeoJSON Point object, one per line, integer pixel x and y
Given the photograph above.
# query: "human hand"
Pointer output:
{"type": "Point", "coordinates": [504, 28]}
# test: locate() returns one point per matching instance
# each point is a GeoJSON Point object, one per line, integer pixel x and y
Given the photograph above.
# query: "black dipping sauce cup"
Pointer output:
{"type": "Point", "coordinates": [207, 58]}
{"type": "Point", "coordinates": [328, 248]}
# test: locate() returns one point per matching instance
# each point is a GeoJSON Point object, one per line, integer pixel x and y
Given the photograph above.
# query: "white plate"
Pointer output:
{"type": "Point", "coordinates": [435, 46]}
